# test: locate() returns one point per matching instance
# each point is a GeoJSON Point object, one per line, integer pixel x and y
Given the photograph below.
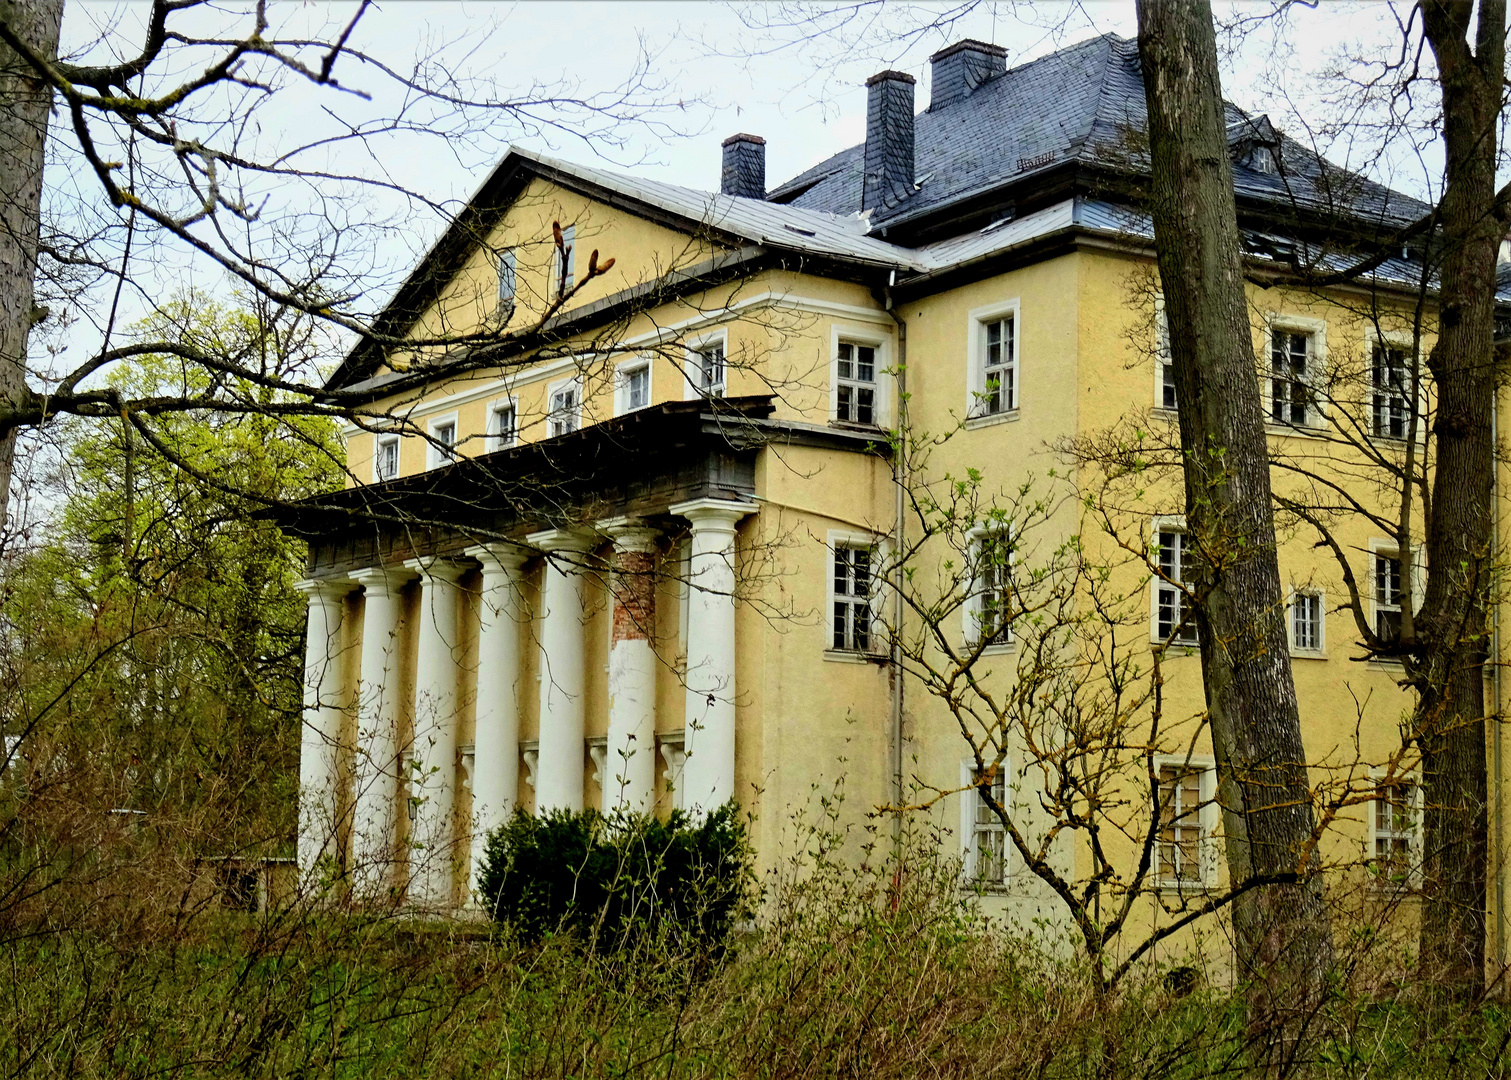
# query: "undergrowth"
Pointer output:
{"type": "Point", "coordinates": [859, 966]}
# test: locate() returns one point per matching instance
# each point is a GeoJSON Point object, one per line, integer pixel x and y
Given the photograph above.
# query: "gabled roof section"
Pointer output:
{"type": "Point", "coordinates": [727, 219]}
{"type": "Point", "coordinates": [1083, 106]}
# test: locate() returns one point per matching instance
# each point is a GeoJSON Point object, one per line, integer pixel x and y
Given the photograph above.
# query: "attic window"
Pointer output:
{"type": "Point", "coordinates": [994, 226]}
{"type": "Point", "coordinates": [799, 231]}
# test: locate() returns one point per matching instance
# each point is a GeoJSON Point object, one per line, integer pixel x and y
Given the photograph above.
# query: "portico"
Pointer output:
{"type": "Point", "coordinates": [478, 646]}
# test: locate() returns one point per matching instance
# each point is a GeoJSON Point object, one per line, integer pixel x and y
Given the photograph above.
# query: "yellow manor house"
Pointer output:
{"type": "Point", "coordinates": [638, 548]}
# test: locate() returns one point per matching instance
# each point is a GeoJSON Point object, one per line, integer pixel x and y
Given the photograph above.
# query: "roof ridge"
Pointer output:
{"type": "Point", "coordinates": [1078, 142]}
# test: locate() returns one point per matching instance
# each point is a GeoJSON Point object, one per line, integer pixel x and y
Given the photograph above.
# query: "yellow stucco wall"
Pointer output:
{"type": "Point", "coordinates": [807, 720]}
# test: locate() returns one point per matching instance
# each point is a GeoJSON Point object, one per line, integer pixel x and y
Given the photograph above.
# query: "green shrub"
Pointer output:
{"type": "Point", "coordinates": [614, 881]}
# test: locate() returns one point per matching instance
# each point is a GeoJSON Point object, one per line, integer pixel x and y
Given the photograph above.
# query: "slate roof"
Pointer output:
{"type": "Point", "coordinates": [1083, 104]}
{"type": "Point", "coordinates": [791, 228]}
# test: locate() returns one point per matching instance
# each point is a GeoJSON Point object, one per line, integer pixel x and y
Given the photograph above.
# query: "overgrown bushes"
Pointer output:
{"type": "Point", "coordinates": [612, 881]}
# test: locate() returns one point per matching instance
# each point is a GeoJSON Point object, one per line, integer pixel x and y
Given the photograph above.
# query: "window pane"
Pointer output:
{"type": "Point", "coordinates": [506, 276]}
{"type": "Point", "coordinates": [866, 364]}
{"type": "Point", "coordinates": [862, 561]}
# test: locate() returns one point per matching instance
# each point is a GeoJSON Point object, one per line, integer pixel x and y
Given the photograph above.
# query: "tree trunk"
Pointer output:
{"type": "Point", "coordinates": [1451, 635]}
{"type": "Point", "coordinates": [1284, 944]}
{"type": "Point", "coordinates": [24, 105]}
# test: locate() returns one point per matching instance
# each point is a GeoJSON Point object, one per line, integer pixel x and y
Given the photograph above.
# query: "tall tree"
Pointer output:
{"type": "Point", "coordinates": [25, 101]}
{"type": "Point", "coordinates": [1268, 817]}
{"type": "Point", "coordinates": [1450, 628]}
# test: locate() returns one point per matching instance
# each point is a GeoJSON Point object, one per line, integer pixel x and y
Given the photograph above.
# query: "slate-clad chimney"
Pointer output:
{"type": "Point", "coordinates": [744, 167]}
{"type": "Point", "coordinates": [962, 67]}
{"type": "Point", "coordinates": [889, 139]}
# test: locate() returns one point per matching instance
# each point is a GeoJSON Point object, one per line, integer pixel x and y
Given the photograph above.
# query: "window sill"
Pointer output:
{"type": "Point", "coordinates": [1300, 431]}
{"type": "Point", "coordinates": [1001, 648]}
{"type": "Point", "coordinates": [1159, 412]}
{"type": "Point", "coordinates": [1176, 648]}
{"type": "Point", "coordinates": [1394, 890]}
{"type": "Point", "coordinates": [1308, 654]}
{"type": "Point", "coordinates": [853, 656]}
{"type": "Point", "coordinates": [866, 429]}
{"type": "Point", "coordinates": [1190, 890]}
{"type": "Point", "coordinates": [990, 419]}
{"type": "Point", "coordinates": [986, 888]}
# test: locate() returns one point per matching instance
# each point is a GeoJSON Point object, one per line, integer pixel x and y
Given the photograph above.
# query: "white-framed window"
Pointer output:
{"type": "Point", "coordinates": [991, 569]}
{"type": "Point", "coordinates": [441, 449]}
{"type": "Point", "coordinates": [1307, 623]}
{"type": "Point", "coordinates": [1164, 365]}
{"type": "Point", "coordinates": [994, 385]}
{"type": "Point", "coordinates": [564, 262]}
{"type": "Point", "coordinates": [503, 424]}
{"type": "Point", "coordinates": [855, 390]}
{"type": "Point", "coordinates": [632, 386]}
{"type": "Point", "coordinates": [1292, 372]}
{"type": "Point", "coordinates": [983, 837]}
{"type": "Point", "coordinates": [1386, 592]}
{"type": "Point", "coordinates": [1173, 621]}
{"type": "Point", "coordinates": [507, 270]}
{"type": "Point", "coordinates": [707, 367]}
{"type": "Point", "coordinates": [386, 457]}
{"type": "Point", "coordinates": [1389, 389]}
{"type": "Point", "coordinates": [851, 587]}
{"type": "Point", "coordinates": [1185, 810]}
{"type": "Point", "coordinates": [1395, 831]}
{"type": "Point", "coordinates": [564, 405]}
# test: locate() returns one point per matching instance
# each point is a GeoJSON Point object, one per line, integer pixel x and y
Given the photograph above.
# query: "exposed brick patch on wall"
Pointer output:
{"type": "Point", "coordinates": [634, 595]}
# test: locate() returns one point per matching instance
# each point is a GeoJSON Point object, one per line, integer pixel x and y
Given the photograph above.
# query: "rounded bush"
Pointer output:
{"type": "Point", "coordinates": [614, 881]}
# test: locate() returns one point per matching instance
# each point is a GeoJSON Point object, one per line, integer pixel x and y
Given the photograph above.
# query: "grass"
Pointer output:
{"type": "Point", "coordinates": [843, 978]}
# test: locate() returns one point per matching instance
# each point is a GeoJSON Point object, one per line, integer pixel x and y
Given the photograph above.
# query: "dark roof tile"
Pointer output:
{"type": "Point", "coordinates": [1085, 102]}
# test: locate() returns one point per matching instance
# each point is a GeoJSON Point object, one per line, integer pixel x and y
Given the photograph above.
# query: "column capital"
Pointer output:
{"type": "Point", "coordinates": [382, 579]}
{"type": "Point", "coordinates": [570, 540]}
{"type": "Point", "coordinates": [630, 533]}
{"type": "Point", "coordinates": [500, 558]}
{"type": "Point", "coordinates": [714, 513]}
{"type": "Point", "coordinates": [327, 590]}
{"type": "Point", "coordinates": [445, 570]}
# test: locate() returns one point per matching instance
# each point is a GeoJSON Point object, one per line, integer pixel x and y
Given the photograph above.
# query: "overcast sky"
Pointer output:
{"type": "Point", "coordinates": [806, 99]}
{"type": "Point", "coordinates": [804, 94]}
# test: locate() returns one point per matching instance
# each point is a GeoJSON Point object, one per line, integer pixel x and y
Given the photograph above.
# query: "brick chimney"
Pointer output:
{"type": "Point", "coordinates": [889, 139]}
{"type": "Point", "coordinates": [962, 67]}
{"type": "Point", "coordinates": [744, 167]}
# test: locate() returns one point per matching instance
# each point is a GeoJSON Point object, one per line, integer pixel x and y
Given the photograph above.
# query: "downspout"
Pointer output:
{"type": "Point", "coordinates": [899, 536]}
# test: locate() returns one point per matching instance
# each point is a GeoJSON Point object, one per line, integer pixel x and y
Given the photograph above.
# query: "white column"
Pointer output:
{"type": "Point", "coordinates": [432, 778]}
{"type": "Point", "coordinates": [559, 774]}
{"type": "Point", "coordinates": [629, 773]}
{"type": "Point", "coordinates": [376, 814]}
{"type": "Point", "coordinates": [708, 771]}
{"type": "Point", "coordinates": [320, 734]}
{"type": "Point", "coordinates": [495, 764]}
